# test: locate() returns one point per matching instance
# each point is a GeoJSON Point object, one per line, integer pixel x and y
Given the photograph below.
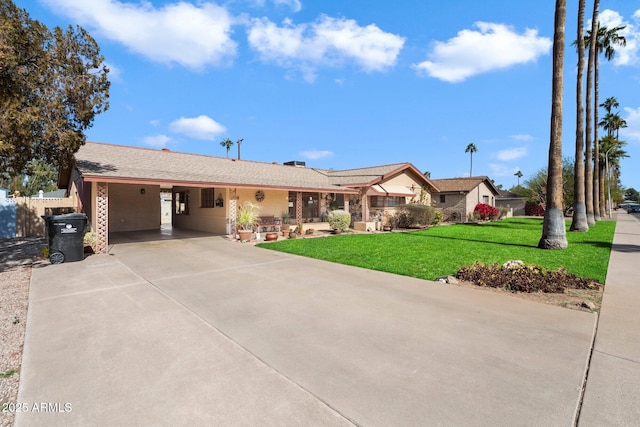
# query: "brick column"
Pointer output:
{"type": "Point", "coordinates": [232, 212]}
{"type": "Point", "coordinates": [298, 207]}
{"type": "Point", "coordinates": [102, 217]}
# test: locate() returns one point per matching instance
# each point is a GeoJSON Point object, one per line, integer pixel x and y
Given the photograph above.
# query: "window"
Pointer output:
{"type": "Point", "coordinates": [386, 201]}
{"type": "Point", "coordinates": [485, 200]}
{"type": "Point", "coordinates": [181, 200]}
{"type": "Point", "coordinates": [206, 198]}
{"type": "Point", "coordinates": [443, 198]}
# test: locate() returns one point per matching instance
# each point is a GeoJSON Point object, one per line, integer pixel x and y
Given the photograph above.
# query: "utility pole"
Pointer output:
{"type": "Point", "coordinates": [239, 142]}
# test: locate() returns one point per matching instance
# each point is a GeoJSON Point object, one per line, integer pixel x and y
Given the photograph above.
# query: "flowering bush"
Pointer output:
{"type": "Point", "coordinates": [486, 211]}
{"type": "Point", "coordinates": [533, 209]}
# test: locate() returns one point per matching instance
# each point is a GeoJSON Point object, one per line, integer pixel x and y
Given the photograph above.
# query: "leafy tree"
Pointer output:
{"type": "Point", "coordinates": [52, 85]}
{"type": "Point", "coordinates": [227, 143]}
{"type": "Point", "coordinates": [632, 194]}
{"type": "Point", "coordinates": [39, 176]}
{"type": "Point", "coordinates": [553, 229]}
{"type": "Point", "coordinates": [471, 148]}
{"type": "Point", "coordinates": [579, 221]}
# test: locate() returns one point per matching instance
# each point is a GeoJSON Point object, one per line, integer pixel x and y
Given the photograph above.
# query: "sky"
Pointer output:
{"type": "Point", "coordinates": [347, 84]}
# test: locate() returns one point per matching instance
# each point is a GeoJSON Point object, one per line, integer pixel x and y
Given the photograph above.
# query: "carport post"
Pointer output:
{"type": "Point", "coordinates": [102, 217]}
{"type": "Point", "coordinates": [298, 207]}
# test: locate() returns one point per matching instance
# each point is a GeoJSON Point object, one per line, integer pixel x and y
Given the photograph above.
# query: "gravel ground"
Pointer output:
{"type": "Point", "coordinates": [17, 256]}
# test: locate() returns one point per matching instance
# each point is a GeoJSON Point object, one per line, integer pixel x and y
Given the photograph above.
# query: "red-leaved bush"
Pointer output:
{"type": "Point", "coordinates": [533, 209]}
{"type": "Point", "coordinates": [486, 211]}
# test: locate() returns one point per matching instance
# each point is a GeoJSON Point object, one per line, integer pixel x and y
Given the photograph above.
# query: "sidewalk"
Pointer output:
{"type": "Point", "coordinates": [613, 385]}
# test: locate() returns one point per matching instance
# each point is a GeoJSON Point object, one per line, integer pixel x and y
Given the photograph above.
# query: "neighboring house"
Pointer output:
{"type": "Point", "coordinates": [458, 197]}
{"type": "Point", "coordinates": [120, 187]}
{"type": "Point", "coordinates": [511, 201]}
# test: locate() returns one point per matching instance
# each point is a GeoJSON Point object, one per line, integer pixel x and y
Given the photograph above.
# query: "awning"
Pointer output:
{"type": "Point", "coordinates": [390, 190]}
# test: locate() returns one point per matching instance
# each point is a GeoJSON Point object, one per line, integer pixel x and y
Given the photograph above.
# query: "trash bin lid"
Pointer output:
{"type": "Point", "coordinates": [68, 216]}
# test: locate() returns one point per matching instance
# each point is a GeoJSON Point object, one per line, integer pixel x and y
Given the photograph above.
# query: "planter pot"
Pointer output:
{"type": "Point", "coordinates": [337, 231]}
{"type": "Point", "coordinates": [245, 235]}
{"type": "Point", "coordinates": [293, 235]}
{"type": "Point", "coordinates": [270, 237]}
{"type": "Point", "coordinates": [285, 233]}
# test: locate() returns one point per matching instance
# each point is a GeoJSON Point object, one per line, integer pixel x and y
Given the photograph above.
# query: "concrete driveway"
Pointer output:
{"type": "Point", "coordinates": [203, 331]}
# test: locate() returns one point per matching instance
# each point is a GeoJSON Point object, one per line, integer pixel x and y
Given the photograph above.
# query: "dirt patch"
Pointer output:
{"type": "Point", "coordinates": [573, 299]}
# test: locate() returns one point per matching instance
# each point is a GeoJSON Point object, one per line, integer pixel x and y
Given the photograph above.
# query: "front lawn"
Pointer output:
{"type": "Point", "coordinates": [441, 251]}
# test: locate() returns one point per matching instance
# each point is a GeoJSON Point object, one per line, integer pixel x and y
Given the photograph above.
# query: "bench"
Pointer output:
{"type": "Point", "coordinates": [269, 223]}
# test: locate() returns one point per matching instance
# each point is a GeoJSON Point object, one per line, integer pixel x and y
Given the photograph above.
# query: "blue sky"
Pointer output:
{"type": "Point", "coordinates": [345, 84]}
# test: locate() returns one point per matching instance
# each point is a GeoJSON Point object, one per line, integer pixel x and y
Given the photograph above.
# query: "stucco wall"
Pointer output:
{"type": "Point", "coordinates": [212, 220]}
{"type": "Point", "coordinates": [275, 202]}
{"type": "Point", "coordinates": [130, 210]}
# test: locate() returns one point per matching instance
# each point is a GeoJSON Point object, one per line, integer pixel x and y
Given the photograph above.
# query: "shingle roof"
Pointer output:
{"type": "Point", "coordinates": [449, 185]}
{"type": "Point", "coordinates": [117, 162]}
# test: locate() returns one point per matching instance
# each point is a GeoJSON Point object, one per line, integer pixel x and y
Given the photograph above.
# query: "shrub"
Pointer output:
{"type": "Point", "coordinates": [486, 211]}
{"type": "Point", "coordinates": [502, 212]}
{"type": "Point", "coordinates": [524, 278]}
{"type": "Point", "coordinates": [438, 217]}
{"type": "Point", "coordinates": [533, 209]}
{"type": "Point", "coordinates": [339, 219]}
{"type": "Point", "coordinates": [414, 214]}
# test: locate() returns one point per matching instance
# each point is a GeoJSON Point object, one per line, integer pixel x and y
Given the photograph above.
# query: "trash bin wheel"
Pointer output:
{"type": "Point", "coordinates": [56, 258]}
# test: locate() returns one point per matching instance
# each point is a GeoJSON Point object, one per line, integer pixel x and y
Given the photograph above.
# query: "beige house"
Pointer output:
{"type": "Point", "coordinates": [120, 187]}
{"type": "Point", "coordinates": [458, 197]}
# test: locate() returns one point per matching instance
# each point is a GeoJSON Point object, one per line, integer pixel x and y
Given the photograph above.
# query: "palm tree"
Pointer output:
{"type": "Point", "coordinates": [553, 230]}
{"type": "Point", "coordinates": [227, 143]}
{"type": "Point", "coordinates": [610, 154]}
{"type": "Point", "coordinates": [471, 148]}
{"type": "Point", "coordinates": [605, 40]}
{"type": "Point", "coordinates": [588, 155]}
{"type": "Point", "coordinates": [579, 221]}
{"type": "Point", "coordinates": [519, 175]}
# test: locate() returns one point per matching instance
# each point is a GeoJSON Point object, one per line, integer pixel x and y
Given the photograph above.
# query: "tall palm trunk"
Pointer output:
{"type": "Point", "coordinates": [597, 202]}
{"type": "Point", "coordinates": [579, 221]}
{"type": "Point", "coordinates": [553, 229]}
{"type": "Point", "coordinates": [588, 160]}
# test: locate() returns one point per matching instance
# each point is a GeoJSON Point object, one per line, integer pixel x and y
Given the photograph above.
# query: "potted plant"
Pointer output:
{"type": "Point", "coordinates": [286, 221]}
{"type": "Point", "coordinates": [246, 219]}
{"type": "Point", "coordinates": [339, 220]}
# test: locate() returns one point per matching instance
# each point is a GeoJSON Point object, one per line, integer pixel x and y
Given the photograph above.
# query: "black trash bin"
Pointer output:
{"type": "Point", "coordinates": [65, 237]}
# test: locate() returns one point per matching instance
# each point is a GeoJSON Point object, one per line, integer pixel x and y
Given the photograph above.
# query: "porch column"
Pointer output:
{"type": "Point", "coordinates": [364, 201]}
{"type": "Point", "coordinates": [102, 217]}
{"type": "Point", "coordinates": [298, 207]}
{"type": "Point", "coordinates": [232, 212]}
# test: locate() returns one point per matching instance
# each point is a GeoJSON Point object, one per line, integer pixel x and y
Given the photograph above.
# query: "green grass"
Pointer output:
{"type": "Point", "coordinates": [441, 251]}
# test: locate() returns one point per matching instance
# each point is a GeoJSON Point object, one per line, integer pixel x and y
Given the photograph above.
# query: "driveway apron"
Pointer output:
{"type": "Point", "coordinates": [206, 331]}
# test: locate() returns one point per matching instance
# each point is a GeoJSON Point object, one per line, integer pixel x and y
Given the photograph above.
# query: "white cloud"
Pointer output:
{"type": "Point", "coordinates": [326, 42]}
{"type": "Point", "coordinates": [521, 137]}
{"type": "Point", "coordinates": [502, 170]}
{"type": "Point", "coordinates": [295, 5]}
{"type": "Point", "coordinates": [159, 141]}
{"type": "Point", "coordinates": [201, 127]}
{"type": "Point", "coordinates": [492, 47]}
{"type": "Point", "coordinates": [624, 55]}
{"type": "Point", "coordinates": [183, 33]}
{"type": "Point", "coordinates": [316, 154]}
{"type": "Point", "coordinates": [511, 154]}
{"type": "Point", "coordinates": [632, 131]}
{"type": "Point", "coordinates": [115, 74]}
